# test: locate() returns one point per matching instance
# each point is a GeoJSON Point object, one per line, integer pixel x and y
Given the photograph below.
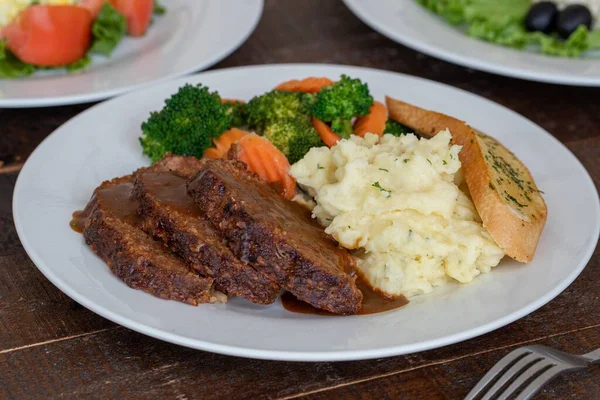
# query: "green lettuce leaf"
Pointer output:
{"type": "Point", "coordinates": [11, 66]}
{"type": "Point", "coordinates": [574, 46]}
{"type": "Point", "coordinates": [73, 67]}
{"type": "Point", "coordinates": [451, 10]}
{"type": "Point", "coordinates": [159, 9]}
{"type": "Point", "coordinates": [511, 35]}
{"type": "Point", "coordinates": [80, 64]}
{"type": "Point", "coordinates": [108, 29]}
{"type": "Point", "coordinates": [502, 22]}
{"type": "Point", "coordinates": [594, 39]}
{"type": "Point", "coordinates": [497, 13]}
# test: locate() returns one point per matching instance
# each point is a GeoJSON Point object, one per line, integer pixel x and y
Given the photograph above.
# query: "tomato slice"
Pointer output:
{"type": "Point", "coordinates": [137, 12]}
{"type": "Point", "coordinates": [50, 36]}
{"type": "Point", "coordinates": [93, 5]}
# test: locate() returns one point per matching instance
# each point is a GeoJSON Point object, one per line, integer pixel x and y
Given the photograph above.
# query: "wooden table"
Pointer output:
{"type": "Point", "coordinates": [51, 347]}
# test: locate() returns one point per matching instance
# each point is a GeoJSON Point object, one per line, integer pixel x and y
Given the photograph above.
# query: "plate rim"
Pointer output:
{"type": "Point", "coordinates": [304, 356]}
{"type": "Point", "coordinates": [110, 93]}
{"type": "Point", "coordinates": [468, 61]}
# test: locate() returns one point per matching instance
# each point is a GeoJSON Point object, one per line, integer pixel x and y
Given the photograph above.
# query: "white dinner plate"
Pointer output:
{"type": "Point", "coordinates": [102, 143]}
{"type": "Point", "coordinates": [408, 23]}
{"type": "Point", "coordinates": [192, 35]}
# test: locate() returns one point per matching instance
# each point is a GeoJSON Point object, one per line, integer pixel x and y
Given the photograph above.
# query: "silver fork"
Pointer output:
{"type": "Point", "coordinates": [520, 366]}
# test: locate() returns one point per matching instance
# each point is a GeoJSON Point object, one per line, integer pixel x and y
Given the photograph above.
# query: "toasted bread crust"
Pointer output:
{"type": "Point", "coordinates": [502, 188]}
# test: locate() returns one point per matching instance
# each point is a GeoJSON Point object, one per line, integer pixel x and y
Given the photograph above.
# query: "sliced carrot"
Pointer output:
{"type": "Point", "coordinates": [289, 185]}
{"type": "Point", "coordinates": [223, 143]}
{"type": "Point", "coordinates": [373, 122]}
{"type": "Point", "coordinates": [261, 157]}
{"type": "Point", "coordinates": [212, 153]}
{"type": "Point", "coordinates": [266, 161]}
{"type": "Point", "coordinates": [252, 157]}
{"type": "Point", "coordinates": [329, 137]}
{"type": "Point", "coordinates": [307, 85]}
{"type": "Point", "coordinates": [232, 101]}
{"type": "Point", "coordinates": [271, 172]}
{"type": "Point", "coordinates": [227, 138]}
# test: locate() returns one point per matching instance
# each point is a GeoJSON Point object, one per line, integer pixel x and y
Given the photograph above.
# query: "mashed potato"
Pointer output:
{"type": "Point", "coordinates": [395, 202]}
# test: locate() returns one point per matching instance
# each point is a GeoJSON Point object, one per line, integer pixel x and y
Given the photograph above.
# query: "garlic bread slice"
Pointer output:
{"type": "Point", "coordinates": [504, 193]}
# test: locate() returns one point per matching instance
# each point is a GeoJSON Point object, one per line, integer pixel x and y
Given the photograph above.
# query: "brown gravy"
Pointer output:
{"type": "Point", "coordinates": [117, 199]}
{"type": "Point", "coordinates": [373, 302]}
{"type": "Point", "coordinates": [170, 191]}
{"type": "Point", "coordinates": [78, 219]}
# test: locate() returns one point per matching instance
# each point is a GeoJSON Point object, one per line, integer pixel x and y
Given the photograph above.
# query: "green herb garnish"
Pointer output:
{"type": "Point", "coordinates": [378, 186]}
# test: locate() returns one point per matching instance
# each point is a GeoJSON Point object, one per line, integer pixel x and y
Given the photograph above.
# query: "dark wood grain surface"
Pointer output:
{"type": "Point", "coordinates": [50, 347]}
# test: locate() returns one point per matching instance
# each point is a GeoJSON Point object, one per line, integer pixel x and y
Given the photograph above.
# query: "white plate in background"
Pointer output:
{"type": "Point", "coordinates": [102, 143]}
{"type": "Point", "coordinates": [191, 36]}
{"type": "Point", "coordinates": [408, 23]}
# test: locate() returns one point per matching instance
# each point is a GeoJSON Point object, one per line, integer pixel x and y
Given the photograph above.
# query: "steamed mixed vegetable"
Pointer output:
{"type": "Point", "coordinates": [269, 132]}
{"type": "Point", "coordinates": [42, 34]}
{"type": "Point", "coordinates": [539, 25]}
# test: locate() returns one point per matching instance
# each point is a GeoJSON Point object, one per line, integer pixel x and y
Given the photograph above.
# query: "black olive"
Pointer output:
{"type": "Point", "coordinates": [571, 18]}
{"type": "Point", "coordinates": [542, 17]}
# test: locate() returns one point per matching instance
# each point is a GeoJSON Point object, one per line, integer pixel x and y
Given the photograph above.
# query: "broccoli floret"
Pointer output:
{"type": "Point", "coordinates": [343, 127]}
{"type": "Point", "coordinates": [275, 106]}
{"type": "Point", "coordinates": [239, 114]}
{"type": "Point", "coordinates": [342, 101]}
{"type": "Point", "coordinates": [186, 125]}
{"type": "Point", "coordinates": [395, 128]}
{"type": "Point", "coordinates": [294, 137]}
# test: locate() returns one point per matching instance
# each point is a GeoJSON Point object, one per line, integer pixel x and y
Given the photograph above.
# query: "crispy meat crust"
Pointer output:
{"type": "Point", "coordinates": [139, 261]}
{"type": "Point", "coordinates": [276, 235]}
{"type": "Point", "coordinates": [181, 226]}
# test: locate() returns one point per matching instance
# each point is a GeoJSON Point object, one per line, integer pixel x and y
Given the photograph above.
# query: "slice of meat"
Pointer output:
{"type": "Point", "coordinates": [169, 213]}
{"type": "Point", "coordinates": [276, 234]}
{"type": "Point", "coordinates": [185, 166]}
{"type": "Point", "coordinates": [142, 263]}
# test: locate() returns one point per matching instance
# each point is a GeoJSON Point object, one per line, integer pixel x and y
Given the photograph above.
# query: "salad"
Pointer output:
{"type": "Point", "coordinates": [45, 34]}
{"type": "Point", "coordinates": [563, 28]}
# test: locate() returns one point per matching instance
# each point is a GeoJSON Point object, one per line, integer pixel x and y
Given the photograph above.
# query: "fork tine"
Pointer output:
{"type": "Point", "coordinates": [539, 382]}
{"type": "Point", "coordinates": [521, 366]}
{"type": "Point", "coordinates": [524, 377]}
{"type": "Point", "coordinates": [496, 369]}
